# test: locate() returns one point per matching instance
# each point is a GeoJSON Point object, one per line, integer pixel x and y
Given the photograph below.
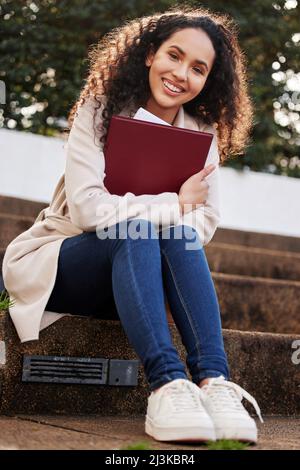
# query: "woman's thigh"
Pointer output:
{"type": "Point", "coordinates": [83, 283]}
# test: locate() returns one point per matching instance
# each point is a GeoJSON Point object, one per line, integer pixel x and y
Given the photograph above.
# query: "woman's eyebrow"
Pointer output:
{"type": "Point", "coordinates": [183, 53]}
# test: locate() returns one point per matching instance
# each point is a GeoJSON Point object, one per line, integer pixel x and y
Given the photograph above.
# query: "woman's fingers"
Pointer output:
{"type": "Point", "coordinates": [206, 171]}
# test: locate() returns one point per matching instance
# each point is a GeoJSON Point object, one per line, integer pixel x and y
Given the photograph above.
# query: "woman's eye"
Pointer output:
{"type": "Point", "coordinates": [198, 70]}
{"type": "Point", "coordinates": [195, 68]}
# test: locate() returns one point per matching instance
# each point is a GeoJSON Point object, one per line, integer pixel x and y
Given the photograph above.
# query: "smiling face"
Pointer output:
{"type": "Point", "coordinates": [184, 60]}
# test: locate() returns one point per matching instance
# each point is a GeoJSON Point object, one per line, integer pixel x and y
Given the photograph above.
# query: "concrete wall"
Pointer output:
{"type": "Point", "coordinates": [31, 165]}
{"type": "Point", "coordinates": [260, 202]}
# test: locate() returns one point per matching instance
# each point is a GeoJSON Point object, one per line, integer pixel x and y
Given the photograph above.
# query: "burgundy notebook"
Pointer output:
{"type": "Point", "coordinates": [149, 158]}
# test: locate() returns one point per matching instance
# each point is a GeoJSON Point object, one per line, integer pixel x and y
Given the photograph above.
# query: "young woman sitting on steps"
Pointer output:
{"type": "Point", "coordinates": [186, 67]}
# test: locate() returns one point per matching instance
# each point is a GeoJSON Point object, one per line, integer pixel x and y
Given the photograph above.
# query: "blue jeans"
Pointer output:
{"type": "Point", "coordinates": [126, 279]}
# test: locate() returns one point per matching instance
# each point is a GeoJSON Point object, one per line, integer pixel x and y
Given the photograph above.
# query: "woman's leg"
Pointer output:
{"type": "Point", "coordinates": [93, 270]}
{"type": "Point", "coordinates": [83, 281]}
{"type": "Point", "coordinates": [193, 302]}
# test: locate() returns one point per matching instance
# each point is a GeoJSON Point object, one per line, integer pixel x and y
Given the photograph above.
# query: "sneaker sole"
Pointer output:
{"type": "Point", "coordinates": [237, 434]}
{"type": "Point", "coordinates": [189, 434]}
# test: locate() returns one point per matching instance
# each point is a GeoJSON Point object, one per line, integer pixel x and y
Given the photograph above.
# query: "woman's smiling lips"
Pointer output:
{"type": "Point", "coordinates": [170, 92]}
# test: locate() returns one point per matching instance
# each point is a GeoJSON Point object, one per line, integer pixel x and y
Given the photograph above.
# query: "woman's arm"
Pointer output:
{"type": "Point", "coordinates": [206, 218]}
{"type": "Point", "coordinates": [91, 206]}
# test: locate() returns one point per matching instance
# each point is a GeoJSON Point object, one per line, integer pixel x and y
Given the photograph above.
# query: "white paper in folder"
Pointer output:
{"type": "Point", "coordinates": [145, 115]}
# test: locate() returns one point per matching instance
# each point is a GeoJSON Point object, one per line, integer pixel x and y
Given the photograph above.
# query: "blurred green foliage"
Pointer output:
{"type": "Point", "coordinates": [44, 46]}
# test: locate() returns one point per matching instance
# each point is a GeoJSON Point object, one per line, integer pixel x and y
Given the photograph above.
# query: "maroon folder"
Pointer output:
{"type": "Point", "coordinates": [149, 158]}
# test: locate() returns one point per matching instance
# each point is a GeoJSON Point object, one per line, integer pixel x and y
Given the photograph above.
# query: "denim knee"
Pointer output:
{"type": "Point", "coordinates": [185, 233]}
{"type": "Point", "coordinates": [138, 229]}
{"type": "Point", "coordinates": [181, 231]}
{"type": "Point", "coordinates": [130, 229]}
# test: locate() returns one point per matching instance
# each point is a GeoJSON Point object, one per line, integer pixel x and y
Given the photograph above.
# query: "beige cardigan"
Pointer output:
{"type": "Point", "coordinates": [30, 261]}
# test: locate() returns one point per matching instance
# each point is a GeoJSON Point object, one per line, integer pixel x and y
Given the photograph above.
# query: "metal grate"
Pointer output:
{"type": "Point", "coordinates": [59, 369]}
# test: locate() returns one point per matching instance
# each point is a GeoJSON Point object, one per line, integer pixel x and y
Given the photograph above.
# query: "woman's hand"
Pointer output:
{"type": "Point", "coordinates": [194, 190]}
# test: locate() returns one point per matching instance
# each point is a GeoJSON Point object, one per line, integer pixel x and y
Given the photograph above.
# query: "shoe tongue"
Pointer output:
{"type": "Point", "coordinates": [219, 379]}
{"type": "Point", "coordinates": [177, 382]}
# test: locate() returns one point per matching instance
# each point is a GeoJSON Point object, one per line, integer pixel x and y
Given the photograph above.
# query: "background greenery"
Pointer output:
{"type": "Point", "coordinates": [44, 45]}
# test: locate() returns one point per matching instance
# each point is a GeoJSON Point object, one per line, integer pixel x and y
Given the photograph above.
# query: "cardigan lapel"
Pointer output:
{"type": "Point", "coordinates": [185, 120]}
{"type": "Point", "coordinates": [179, 120]}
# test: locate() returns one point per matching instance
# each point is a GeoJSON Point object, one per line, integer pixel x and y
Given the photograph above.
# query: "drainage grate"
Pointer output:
{"type": "Point", "coordinates": [80, 370]}
{"type": "Point", "coordinates": [59, 369]}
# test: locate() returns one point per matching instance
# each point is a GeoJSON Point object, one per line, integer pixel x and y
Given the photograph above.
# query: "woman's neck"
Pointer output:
{"type": "Point", "coordinates": [168, 115]}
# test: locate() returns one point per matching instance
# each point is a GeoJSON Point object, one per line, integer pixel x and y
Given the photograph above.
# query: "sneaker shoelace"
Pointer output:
{"type": "Point", "coordinates": [227, 396]}
{"type": "Point", "coordinates": [184, 396]}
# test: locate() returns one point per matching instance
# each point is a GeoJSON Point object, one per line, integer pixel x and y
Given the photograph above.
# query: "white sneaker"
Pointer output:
{"type": "Point", "coordinates": [222, 400]}
{"type": "Point", "coordinates": [175, 413]}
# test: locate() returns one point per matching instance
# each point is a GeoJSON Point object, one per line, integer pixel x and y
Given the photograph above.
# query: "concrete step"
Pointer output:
{"type": "Point", "coordinates": [260, 362]}
{"type": "Point", "coordinates": [253, 303]}
{"type": "Point", "coordinates": [222, 257]}
{"type": "Point", "coordinates": [257, 239]}
{"type": "Point", "coordinates": [249, 261]}
{"type": "Point", "coordinates": [18, 206]}
{"type": "Point", "coordinates": [258, 304]}
{"type": "Point", "coordinates": [11, 226]}
{"type": "Point", "coordinates": [247, 302]}
{"type": "Point", "coordinates": [98, 432]}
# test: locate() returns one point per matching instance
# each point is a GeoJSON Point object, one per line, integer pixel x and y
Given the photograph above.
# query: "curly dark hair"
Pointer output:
{"type": "Point", "coordinates": [118, 72]}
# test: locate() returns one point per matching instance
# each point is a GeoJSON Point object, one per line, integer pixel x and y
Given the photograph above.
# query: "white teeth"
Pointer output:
{"type": "Point", "coordinates": [171, 87]}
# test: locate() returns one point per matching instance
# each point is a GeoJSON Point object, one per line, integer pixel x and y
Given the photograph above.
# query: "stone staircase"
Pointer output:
{"type": "Point", "coordinates": [257, 278]}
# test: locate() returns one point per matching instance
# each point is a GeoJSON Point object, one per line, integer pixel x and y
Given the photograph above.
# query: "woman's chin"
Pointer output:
{"type": "Point", "coordinates": [166, 101]}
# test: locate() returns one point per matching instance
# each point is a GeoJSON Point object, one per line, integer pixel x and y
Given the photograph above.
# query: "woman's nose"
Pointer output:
{"type": "Point", "coordinates": [181, 73]}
